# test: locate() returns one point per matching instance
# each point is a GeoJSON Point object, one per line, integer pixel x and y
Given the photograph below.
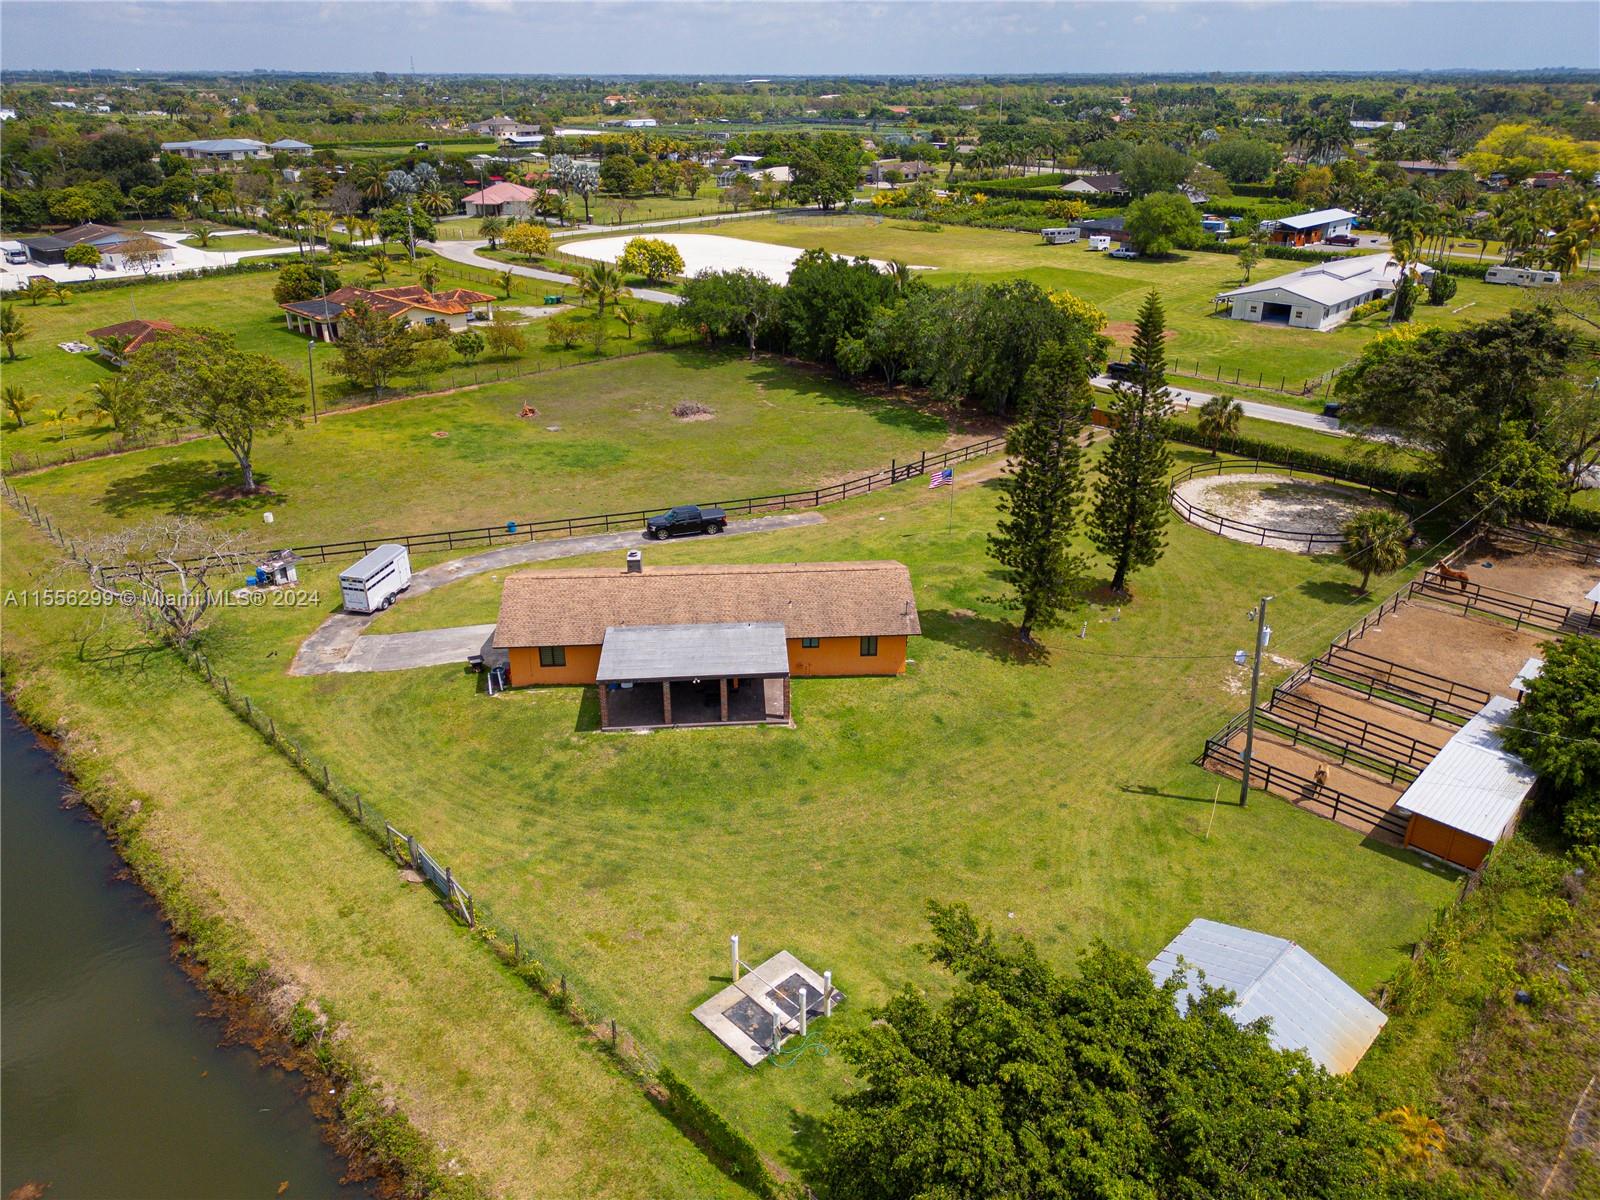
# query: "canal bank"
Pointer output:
{"type": "Point", "coordinates": [120, 1077]}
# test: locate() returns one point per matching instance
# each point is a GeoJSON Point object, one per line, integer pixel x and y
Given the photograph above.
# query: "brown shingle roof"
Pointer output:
{"type": "Point", "coordinates": [391, 302]}
{"type": "Point", "coordinates": [138, 332]}
{"type": "Point", "coordinates": [575, 606]}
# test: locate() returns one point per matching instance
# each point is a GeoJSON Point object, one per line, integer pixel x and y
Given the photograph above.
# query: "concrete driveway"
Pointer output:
{"type": "Point", "coordinates": [333, 646]}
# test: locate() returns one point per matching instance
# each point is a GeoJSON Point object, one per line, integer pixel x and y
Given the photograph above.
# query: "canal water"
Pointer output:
{"type": "Point", "coordinates": [113, 1086]}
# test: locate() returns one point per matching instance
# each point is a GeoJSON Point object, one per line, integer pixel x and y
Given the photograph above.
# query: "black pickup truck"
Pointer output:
{"type": "Point", "coordinates": [686, 518]}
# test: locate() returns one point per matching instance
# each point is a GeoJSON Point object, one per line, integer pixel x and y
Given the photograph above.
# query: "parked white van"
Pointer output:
{"type": "Point", "coordinates": [16, 254]}
{"type": "Point", "coordinates": [1522, 276]}
{"type": "Point", "coordinates": [373, 583]}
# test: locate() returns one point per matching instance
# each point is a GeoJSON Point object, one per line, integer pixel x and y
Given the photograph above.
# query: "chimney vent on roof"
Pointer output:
{"type": "Point", "coordinates": [635, 562]}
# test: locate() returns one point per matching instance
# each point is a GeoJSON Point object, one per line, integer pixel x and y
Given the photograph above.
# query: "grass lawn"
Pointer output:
{"type": "Point", "coordinates": [241, 305]}
{"type": "Point", "coordinates": [483, 1068]}
{"type": "Point", "coordinates": [1186, 284]}
{"type": "Point", "coordinates": [235, 242]}
{"type": "Point", "coordinates": [612, 210]}
{"type": "Point", "coordinates": [1057, 796]}
{"type": "Point", "coordinates": [381, 470]}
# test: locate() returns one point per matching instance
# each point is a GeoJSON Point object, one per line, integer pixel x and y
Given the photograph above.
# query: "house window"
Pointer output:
{"type": "Point", "coordinates": [869, 647]}
{"type": "Point", "coordinates": [552, 656]}
{"type": "Point", "coordinates": [810, 643]}
{"type": "Point", "coordinates": [1255, 308]}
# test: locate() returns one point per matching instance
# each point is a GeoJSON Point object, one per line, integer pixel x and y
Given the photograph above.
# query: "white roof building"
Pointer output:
{"type": "Point", "coordinates": [1319, 297]}
{"type": "Point", "coordinates": [1315, 220]}
{"type": "Point", "coordinates": [1468, 798]}
{"type": "Point", "coordinates": [1311, 1008]}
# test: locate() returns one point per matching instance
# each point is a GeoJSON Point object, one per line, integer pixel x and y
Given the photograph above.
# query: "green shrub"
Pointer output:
{"type": "Point", "coordinates": [1389, 478]}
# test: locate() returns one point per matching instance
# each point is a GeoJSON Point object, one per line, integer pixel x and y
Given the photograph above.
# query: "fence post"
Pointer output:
{"type": "Point", "coordinates": [360, 816]}
{"type": "Point", "coordinates": [249, 715]}
{"type": "Point", "coordinates": [516, 949]}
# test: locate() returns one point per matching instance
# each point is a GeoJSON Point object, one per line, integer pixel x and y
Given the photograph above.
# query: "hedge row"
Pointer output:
{"type": "Point", "coordinates": [726, 1142]}
{"type": "Point", "coordinates": [1388, 478]}
{"type": "Point", "coordinates": [1572, 517]}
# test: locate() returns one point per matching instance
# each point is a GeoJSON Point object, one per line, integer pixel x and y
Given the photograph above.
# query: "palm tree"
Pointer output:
{"type": "Point", "coordinates": [108, 398]}
{"type": "Point", "coordinates": [1375, 542]}
{"type": "Point", "coordinates": [289, 210]}
{"type": "Point", "coordinates": [368, 179]}
{"type": "Point", "coordinates": [491, 228]}
{"type": "Point", "coordinates": [321, 222]}
{"type": "Point", "coordinates": [13, 328]}
{"type": "Point", "coordinates": [901, 275]}
{"type": "Point", "coordinates": [603, 282]}
{"type": "Point", "coordinates": [628, 315]}
{"type": "Point", "coordinates": [1218, 418]}
{"type": "Point", "coordinates": [505, 278]}
{"type": "Point", "coordinates": [380, 265]}
{"type": "Point", "coordinates": [428, 275]}
{"type": "Point", "coordinates": [17, 403]}
{"type": "Point", "coordinates": [435, 201]}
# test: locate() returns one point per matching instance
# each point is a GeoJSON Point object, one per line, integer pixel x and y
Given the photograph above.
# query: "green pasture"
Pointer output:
{"type": "Point", "coordinates": [1055, 793]}
{"type": "Point", "coordinates": [243, 306]}
{"type": "Point", "coordinates": [604, 440]}
{"type": "Point", "coordinates": [1186, 282]}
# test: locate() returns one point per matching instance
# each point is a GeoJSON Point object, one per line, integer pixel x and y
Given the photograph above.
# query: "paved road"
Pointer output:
{"type": "Point", "coordinates": [333, 645]}
{"type": "Point", "coordinates": [1252, 408]}
{"type": "Point", "coordinates": [467, 254]}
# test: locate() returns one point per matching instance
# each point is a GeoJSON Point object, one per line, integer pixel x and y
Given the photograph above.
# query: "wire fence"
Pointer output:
{"type": "Point", "coordinates": [1258, 378]}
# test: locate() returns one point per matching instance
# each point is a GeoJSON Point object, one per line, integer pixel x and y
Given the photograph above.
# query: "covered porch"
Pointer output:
{"type": "Point", "coordinates": [655, 676]}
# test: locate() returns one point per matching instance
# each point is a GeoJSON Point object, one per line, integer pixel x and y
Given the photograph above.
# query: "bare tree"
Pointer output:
{"type": "Point", "coordinates": [165, 573]}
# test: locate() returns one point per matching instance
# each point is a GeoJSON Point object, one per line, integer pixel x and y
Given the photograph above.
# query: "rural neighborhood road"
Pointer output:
{"type": "Point", "coordinates": [333, 646]}
{"type": "Point", "coordinates": [1252, 408]}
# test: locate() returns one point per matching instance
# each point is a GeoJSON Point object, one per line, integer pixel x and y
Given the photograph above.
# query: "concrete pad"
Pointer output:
{"type": "Point", "coordinates": [425, 648]}
{"type": "Point", "coordinates": [760, 988]}
{"type": "Point", "coordinates": [707, 252]}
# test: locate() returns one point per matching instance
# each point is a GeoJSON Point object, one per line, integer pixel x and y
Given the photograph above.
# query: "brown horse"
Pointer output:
{"type": "Point", "coordinates": [1451, 575]}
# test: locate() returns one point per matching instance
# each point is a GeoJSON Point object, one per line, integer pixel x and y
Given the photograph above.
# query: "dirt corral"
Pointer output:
{"type": "Point", "coordinates": [1303, 515]}
{"type": "Point", "coordinates": [1543, 575]}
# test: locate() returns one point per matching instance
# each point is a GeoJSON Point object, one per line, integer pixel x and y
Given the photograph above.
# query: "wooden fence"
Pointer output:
{"type": "Point", "coordinates": [1296, 788]}
{"type": "Point", "coordinates": [527, 531]}
{"type": "Point", "coordinates": [1309, 542]}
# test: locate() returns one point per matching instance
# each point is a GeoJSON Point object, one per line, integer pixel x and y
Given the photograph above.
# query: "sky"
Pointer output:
{"type": "Point", "coordinates": [792, 37]}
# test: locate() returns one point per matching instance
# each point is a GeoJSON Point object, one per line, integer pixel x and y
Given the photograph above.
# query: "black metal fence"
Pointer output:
{"type": "Point", "coordinates": [1519, 610]}
{"type": "Point", "coordinates": [1429, 694]}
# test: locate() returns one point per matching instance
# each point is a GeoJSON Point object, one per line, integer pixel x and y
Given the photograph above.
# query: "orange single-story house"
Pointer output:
{"type": "Point", "coordinates": [687, 628]}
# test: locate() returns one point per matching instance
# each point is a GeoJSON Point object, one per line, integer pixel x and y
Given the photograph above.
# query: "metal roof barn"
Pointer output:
{"type": "Point", "coordinates": [642, 653]}
{"type": "Point", "coordinates": [1473, 785]}
{"type": "Point", "coordinates": [1310, 1007]}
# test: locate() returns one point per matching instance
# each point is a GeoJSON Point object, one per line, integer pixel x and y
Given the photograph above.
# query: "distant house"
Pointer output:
{"type": "Point", "coordinates": [909, 170]}
{"type": "Point", "coordinates": [1310, 1008]}
{"type": "Point", "coordinates": [1312, 227]}
{"type": "Point", "coordinates": [114, 244]}
{"type": "Point", "coordinates": [1321, 297]}
{"type": "Point", "coordinates": [1109, 184]}
{"type": "Point", "coordinates": [117, 342]}
{"type": "Point", "coordinates": [1374, 126]}
{"type": "Point", "coordinates": [498, 127]}
{"type": "Point", "coordinates": [501, 200]}
{"type": "Point", "coordinates": [1427, 168]}
{"type": "Point", "coordinates": [289, 146]}
{"type": "Point", "coordinates": [320, 318]}
{"type": "Point", "coordinates": [664, 642]}
{"type": "Point", "coordinates": [217, 150]}
{"type": "Point", "coordinates": [1546, 179]}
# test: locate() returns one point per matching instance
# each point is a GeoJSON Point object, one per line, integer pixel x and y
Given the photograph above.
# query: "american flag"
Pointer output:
{"type": "Point", "coordinates": [947, 475]}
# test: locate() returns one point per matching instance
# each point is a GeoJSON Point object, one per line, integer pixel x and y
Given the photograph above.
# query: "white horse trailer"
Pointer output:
{"type": "Point", "coordinates": [1100, 241]}
{"type": "Point", "coordinates": [1061, 235]}
{"type": "Point", "coordinates": [374, 582]}
{"type": "Point", "coordinates": [1522, 276]}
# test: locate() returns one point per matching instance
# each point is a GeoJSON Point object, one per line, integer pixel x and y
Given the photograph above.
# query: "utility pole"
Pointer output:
{"type": "Point", "coordinates": [1250, 716]}
{"type": "Point", "coordinates": [311, 369]}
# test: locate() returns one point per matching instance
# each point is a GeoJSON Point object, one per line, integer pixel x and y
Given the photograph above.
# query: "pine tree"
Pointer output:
{"type": "Point", "coordinates": [1041, 489]}
{"type": "Point", "coordinates": [1128, 521]}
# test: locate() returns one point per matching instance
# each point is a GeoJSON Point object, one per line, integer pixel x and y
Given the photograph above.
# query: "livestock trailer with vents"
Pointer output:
{"type": "Point", "coordinates": [372, 584]}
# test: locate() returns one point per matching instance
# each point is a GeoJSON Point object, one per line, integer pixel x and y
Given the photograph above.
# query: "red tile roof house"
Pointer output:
{"type": "Point", "coordinates": [118, 341]}
{"type": "Point", "coordinates": [319, 318]}
{"type": "Point", "coordinates": [501, 200]}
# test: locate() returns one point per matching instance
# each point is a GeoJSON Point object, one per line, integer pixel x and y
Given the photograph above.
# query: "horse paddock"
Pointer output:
{"type": "Point", "coordinates": [1302, 514]}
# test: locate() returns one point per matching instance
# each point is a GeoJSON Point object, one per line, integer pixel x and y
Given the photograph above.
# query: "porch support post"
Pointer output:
{"type": "Point", "coordinates": [724, 689]}
{"type": "Point", "coordinates": [786, 698]}
{"type": "Point", "coordinates": [605, 706]}
{"type": "Point", "coordinates": [666, 701]}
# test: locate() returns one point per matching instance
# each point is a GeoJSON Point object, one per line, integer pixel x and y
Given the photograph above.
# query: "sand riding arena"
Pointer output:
{"type": "Point", "coordinates": [1284, 508]}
